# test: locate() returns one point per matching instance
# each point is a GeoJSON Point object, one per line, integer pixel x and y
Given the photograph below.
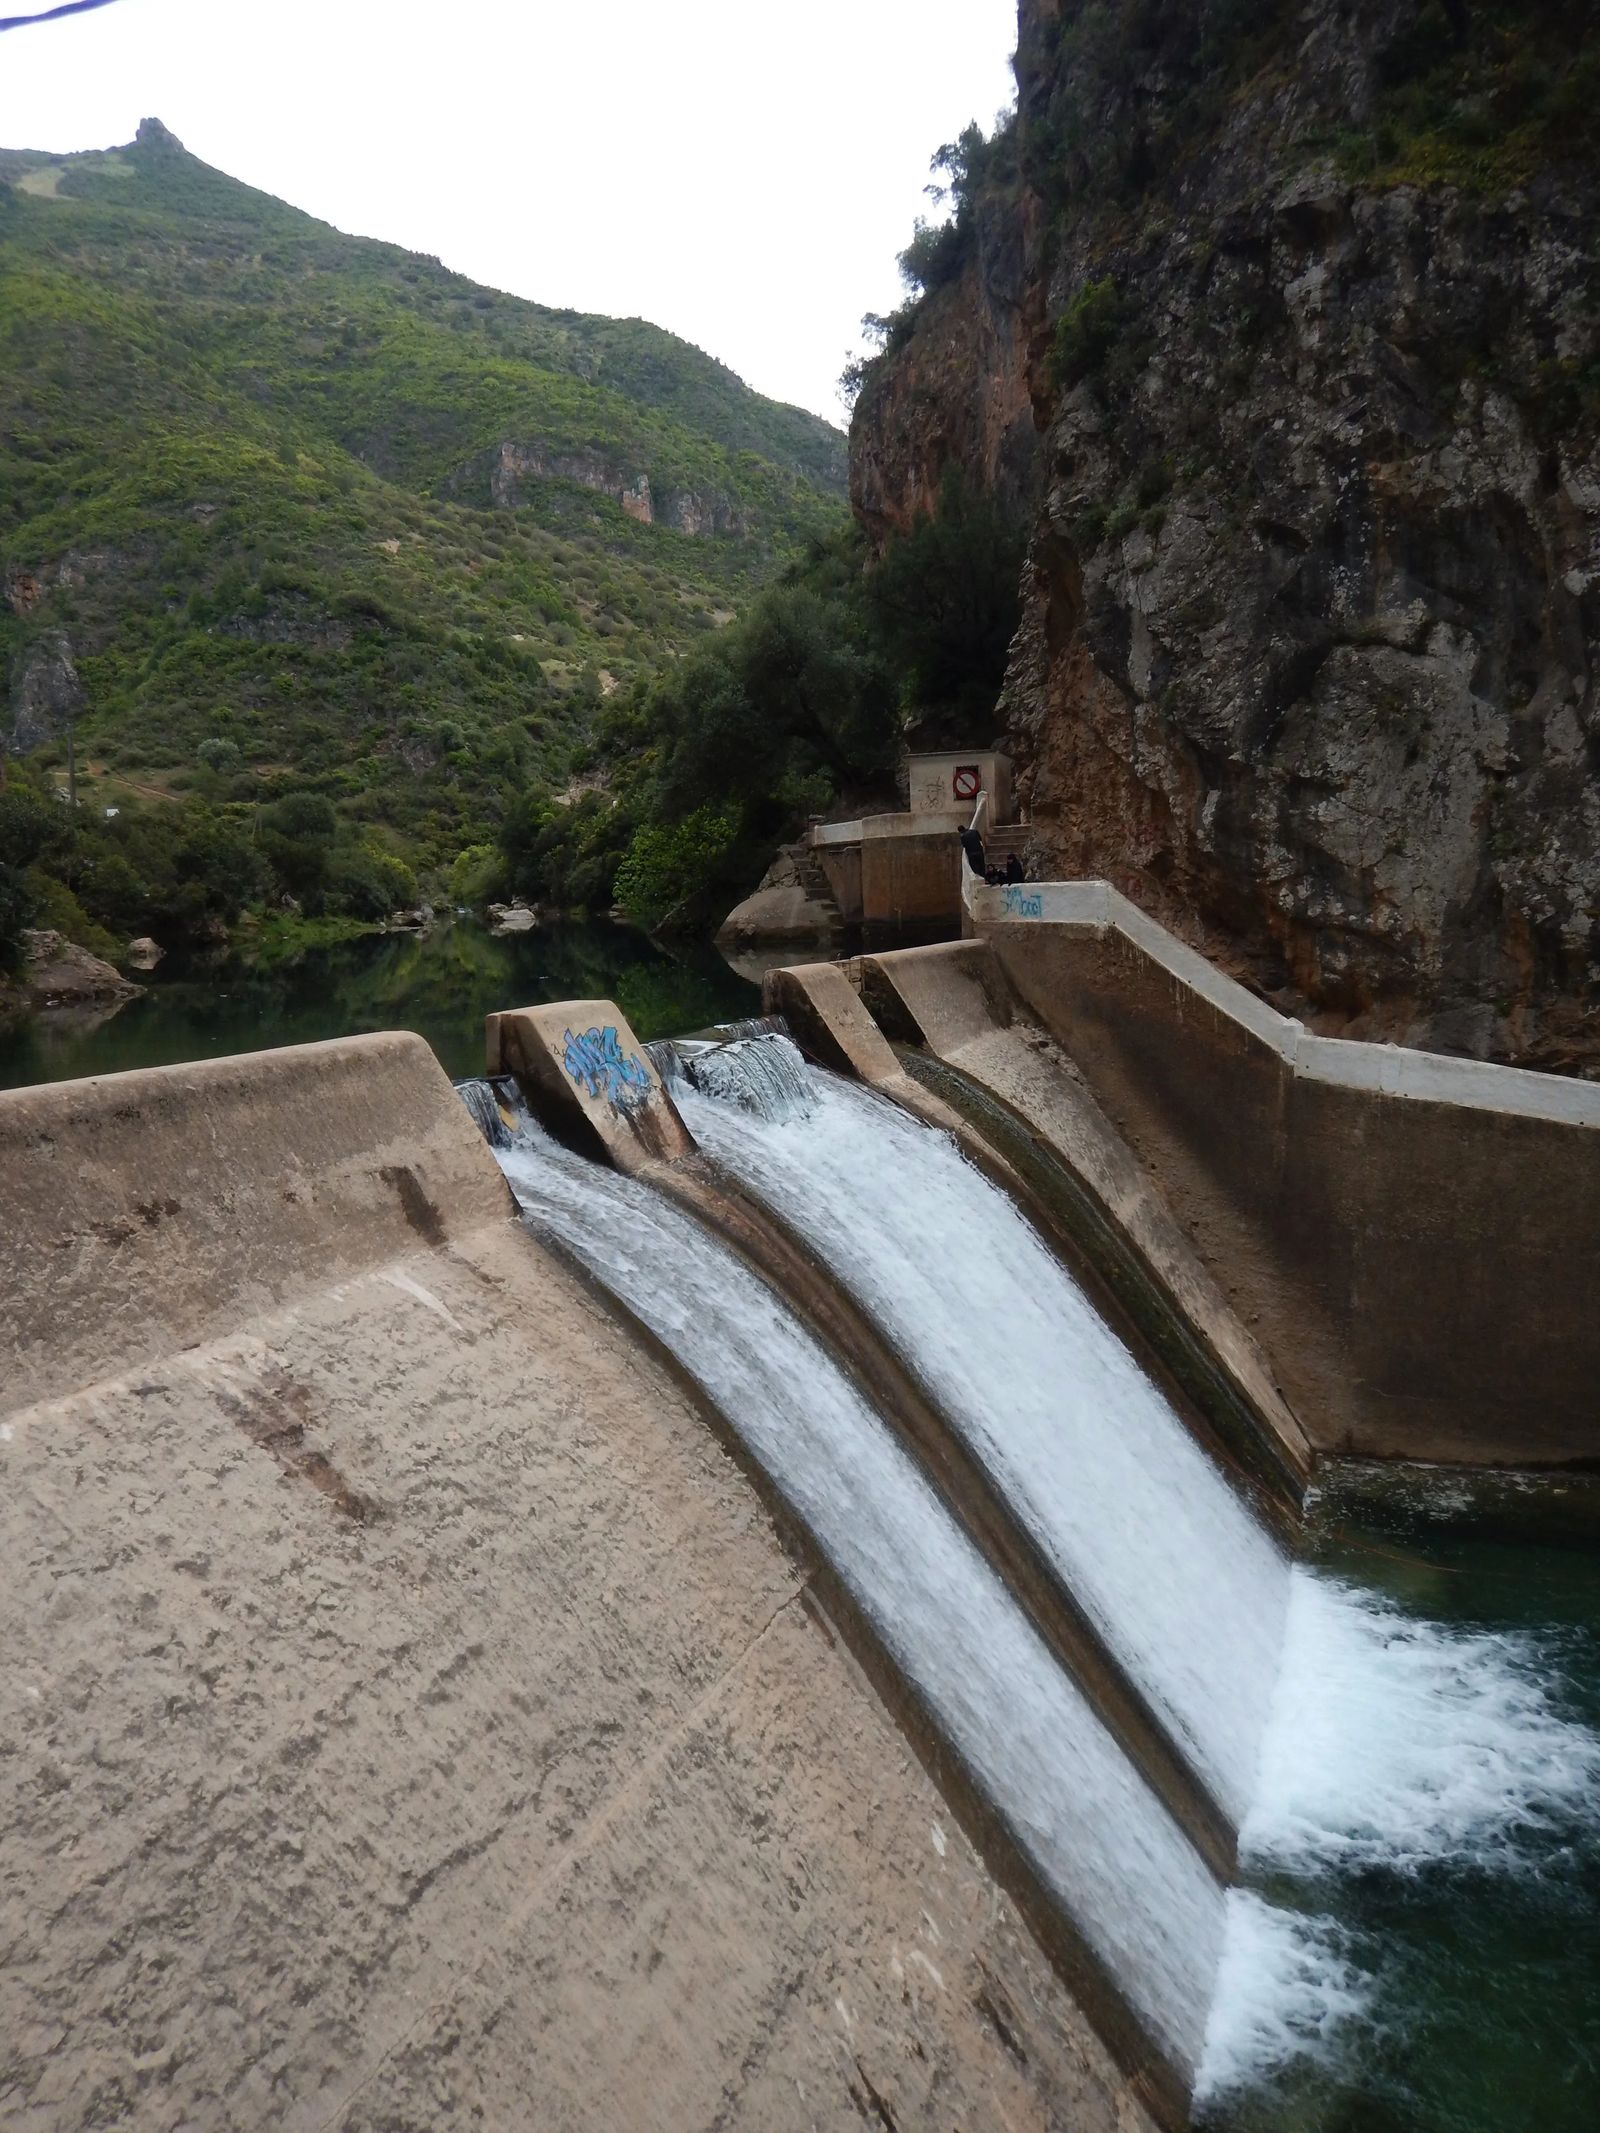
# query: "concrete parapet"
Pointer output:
{"type": "Point", "coordinates": [825, 1013]}
{"type": "Point", "coordinates": [582, 1069]}
{"type": "Point", "coordinates": [1409, 1234]}
{"type": "Point", "coordinates": [144, 1212]}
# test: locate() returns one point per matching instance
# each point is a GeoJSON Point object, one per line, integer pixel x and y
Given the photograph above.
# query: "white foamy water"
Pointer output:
{"type": "Point", "coordinates": [1347, 1735]}
{"type": "Point", "coordinates": [1399, 1743]}
{"type": "Point", "coordinates": [1286, 1990]}
{"type": "Point", "coordinates": [1120, 1866]}
{"type": "Point", "coordinates": [1189, 1592]}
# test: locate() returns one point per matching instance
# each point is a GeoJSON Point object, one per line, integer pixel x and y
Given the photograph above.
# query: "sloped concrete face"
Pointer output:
{"type": "Point", "coordinates": [412, 1719]}
{"type": "Point", "coordinates": [953, 1001]}
{"type": "Point", "coordinates": [825, 1012]}
{"type": "Point", "coordinates": [582, 1068]}
{"type": "Point", "coordinates": [144, 1212]}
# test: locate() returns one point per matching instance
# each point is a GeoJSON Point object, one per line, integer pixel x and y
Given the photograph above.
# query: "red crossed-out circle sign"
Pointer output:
{"type": "Point", "coordinates": [966, 783]}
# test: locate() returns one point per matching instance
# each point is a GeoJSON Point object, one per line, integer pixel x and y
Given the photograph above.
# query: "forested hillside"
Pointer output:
{"type": "Point", "coordinates": [319, 554]}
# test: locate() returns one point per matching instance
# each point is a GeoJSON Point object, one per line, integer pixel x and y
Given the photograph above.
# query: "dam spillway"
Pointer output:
{"type": "Point", "coordinates": [1346, 1737]}
{"type": "Point", "coordinates": [1186, 1585]}
{"type": "Point", "coordinates": [406, 1685]}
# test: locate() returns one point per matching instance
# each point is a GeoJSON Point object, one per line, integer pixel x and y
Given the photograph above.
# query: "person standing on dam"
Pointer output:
{"type": "Point", "coordinates": [972, 843]}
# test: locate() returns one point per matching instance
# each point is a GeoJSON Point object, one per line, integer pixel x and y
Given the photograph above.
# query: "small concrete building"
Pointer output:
{"type": "Point", "coordinates": [951, 784]}
{"type": "Point", "coordinates": [898, 877]}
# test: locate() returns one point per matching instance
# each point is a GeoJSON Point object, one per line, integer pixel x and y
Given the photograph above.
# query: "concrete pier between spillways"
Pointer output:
{"type": "Point", "coordinates": [410, 1709]}
{"type": "Point", "coordinates": [1401, 1240]}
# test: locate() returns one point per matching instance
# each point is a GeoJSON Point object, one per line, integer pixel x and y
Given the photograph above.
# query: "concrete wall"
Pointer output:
{"type": "Point", "coordinates": [412, 1719]}
{"type": "Point", "coordinates": [1411, 1237]}
{"type": "Point", "coordinates": [931, 782]}
{"type": "Point", "coordinates": [143, 1212]}
{"type": "Point", "coordinates": [911, 878]}
{"type": "Point", "coordinates": [841, 868]}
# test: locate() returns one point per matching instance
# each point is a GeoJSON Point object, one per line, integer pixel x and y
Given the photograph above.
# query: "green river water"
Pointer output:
{"type": "Point", "coordinates": [441, 984]}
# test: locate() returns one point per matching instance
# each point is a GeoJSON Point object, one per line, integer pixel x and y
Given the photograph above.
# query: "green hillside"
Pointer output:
{"type": "Point", "coordinates": [305, 512]}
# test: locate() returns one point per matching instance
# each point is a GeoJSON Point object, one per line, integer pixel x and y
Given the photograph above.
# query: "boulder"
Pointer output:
{"type": "Point", "coordinates": [512, 918]}
{"type": "Point", "coordinates": [58, 973]}
{"type": "Point", "coordinates": [144, 953]}
{"type": "Point", "coordinates": [781, 909]}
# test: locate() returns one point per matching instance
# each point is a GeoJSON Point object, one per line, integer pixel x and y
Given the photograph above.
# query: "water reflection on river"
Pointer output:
{"type": "Point", "coordinates": [441, 983]}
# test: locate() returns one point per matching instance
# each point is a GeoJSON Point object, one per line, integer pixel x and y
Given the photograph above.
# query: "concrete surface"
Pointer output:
{"type": "Point", "coordinates": [411, 1718]}
{"type": "Point", "coordinates": [586, 1075]}
{"type": "Point", "coordinates": [1408, 1236]}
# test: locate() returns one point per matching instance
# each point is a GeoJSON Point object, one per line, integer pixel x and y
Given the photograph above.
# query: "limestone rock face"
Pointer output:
{"type": "Point", "coordinates": [1307, 660]}
{"type": "Point", "coordinates": [46, 694]}
{"type": "Point", "coordinates": [694, 512]}
{"type": "Point", "coordinates": [958, 392]}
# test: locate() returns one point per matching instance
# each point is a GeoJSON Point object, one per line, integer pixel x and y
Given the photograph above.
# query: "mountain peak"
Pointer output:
{"type": "Point", "coordinates": [152, 134]}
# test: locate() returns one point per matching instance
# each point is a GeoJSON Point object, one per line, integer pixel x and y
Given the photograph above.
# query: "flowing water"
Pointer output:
{"type": "Point", "coordinates": [1187, 1589]}
{"type": "Point", "coordinates": [1137, 1889]}
{"type": "Point", "coordinates": [1410, 1756]}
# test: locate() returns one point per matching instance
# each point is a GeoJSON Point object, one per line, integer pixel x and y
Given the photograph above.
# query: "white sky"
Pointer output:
{"type": "Point", "coordinates": [740, 171]}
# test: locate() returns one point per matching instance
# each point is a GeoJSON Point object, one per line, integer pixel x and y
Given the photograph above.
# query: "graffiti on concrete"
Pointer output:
{"type": "Point", "coordinates": [596, 1058]}
{"type": "Point", "coordinates": [1022, 903]}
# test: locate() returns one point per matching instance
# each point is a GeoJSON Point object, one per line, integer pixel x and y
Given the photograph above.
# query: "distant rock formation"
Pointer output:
{"type": "Point", "coordinates": [691, 511]}
{"type": "Point", "coordinates": [59, 975]}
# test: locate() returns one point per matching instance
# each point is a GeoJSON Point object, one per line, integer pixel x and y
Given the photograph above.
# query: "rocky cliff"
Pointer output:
{"type": "Point", "coordinates": [1304, 304]}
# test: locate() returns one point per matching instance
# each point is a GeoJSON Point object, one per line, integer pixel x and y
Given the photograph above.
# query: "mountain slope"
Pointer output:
{"type": "Point", "coordinates": [351, 520]}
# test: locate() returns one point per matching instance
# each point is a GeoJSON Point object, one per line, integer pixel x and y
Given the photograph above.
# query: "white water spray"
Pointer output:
{"type": "Point", "coordinates": [1139, 1892]}
{"type": "Point", "coordinates": [1188, 1590]}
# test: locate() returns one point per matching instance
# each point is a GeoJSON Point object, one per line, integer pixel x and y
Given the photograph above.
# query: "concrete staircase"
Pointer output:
{"type": "Point", "coordinates": [812, 879]}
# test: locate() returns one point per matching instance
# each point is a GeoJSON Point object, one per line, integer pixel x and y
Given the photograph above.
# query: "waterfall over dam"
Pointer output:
{"type": "Point", "coordinates": [749, 1582]}
{"type": "Point", "coordinates": [1334, 1734]}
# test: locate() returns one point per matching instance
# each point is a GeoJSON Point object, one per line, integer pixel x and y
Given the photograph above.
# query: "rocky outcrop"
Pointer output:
{"type": "Point", "coordinates": [1307, 662]}
{"type": "Point", "coordinates": [957, 394]}
{"type": "Point", "coordinates": [787, 906]}
{"type": "Point", "coordinates": [46, 694]}
{"type": "Point", "coordinates": [56, 973]}
{"type": "Point", "coordinates": [691, 511]}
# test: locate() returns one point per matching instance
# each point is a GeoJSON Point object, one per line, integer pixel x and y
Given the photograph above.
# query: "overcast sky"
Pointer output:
{"type": "Point", "coordinates": [740, 171]}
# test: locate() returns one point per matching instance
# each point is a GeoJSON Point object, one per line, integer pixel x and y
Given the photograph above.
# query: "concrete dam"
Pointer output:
{"type": "Point", "coordinates": [757, 1580]}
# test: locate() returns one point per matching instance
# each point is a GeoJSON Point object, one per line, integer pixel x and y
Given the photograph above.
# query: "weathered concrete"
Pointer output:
{"type": "Point", "coordinates": [911, 879]}
{"type": "Point", "coordinates": [824, 1011]}
{"type": "Point", "coordinates": [1408, 1236]}
{"type": "Point", "coordinates": [146, 1212]}
{"type": "Point", "coordinates": [412, 1719]}
{"type": "Point", "coordinates": [583, 1070]}
{"type": "Point", "coordinates": [949, 784]}
{"type": "Point", "coordinates": [954, 999]}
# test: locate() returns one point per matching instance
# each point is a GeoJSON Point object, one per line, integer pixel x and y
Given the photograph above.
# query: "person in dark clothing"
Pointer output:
{"type": "Point", "coordinates": [972, 845]}
{"type": "Point", "coordinates": [1013, 870]}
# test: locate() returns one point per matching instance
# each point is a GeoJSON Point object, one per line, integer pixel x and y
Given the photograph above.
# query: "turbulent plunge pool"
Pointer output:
{"type": "Point", "coordinates": [1401, 1727]}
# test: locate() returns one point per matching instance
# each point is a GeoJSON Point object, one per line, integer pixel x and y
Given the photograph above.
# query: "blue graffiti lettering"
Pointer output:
{"type": "Point", "coordinates": [596, 1058]}
{"type": "Point", "coordinates": [1020, 906]}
